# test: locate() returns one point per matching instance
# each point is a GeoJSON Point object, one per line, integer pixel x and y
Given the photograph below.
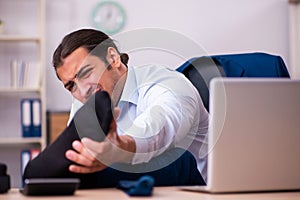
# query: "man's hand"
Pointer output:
{"type": "Point", "coordinates": [86, 162]}
{"type": "Point", "coordinates": [91, 156]}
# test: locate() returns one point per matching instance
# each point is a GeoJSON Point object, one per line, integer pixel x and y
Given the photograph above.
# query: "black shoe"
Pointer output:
{"type": "Point", "coordinates": [91, 120]}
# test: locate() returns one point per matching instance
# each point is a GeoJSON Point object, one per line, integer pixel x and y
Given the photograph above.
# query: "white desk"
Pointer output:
{"type": "Point", "coordinates": [161, 193]}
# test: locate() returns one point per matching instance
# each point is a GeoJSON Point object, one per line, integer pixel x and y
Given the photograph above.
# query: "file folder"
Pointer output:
{"type": "Point", "coordinates": [36, 117]}
{"type": "Point", "coordinates": [26, 117]}
{"type": "Point", "coordinates": [31, 117]}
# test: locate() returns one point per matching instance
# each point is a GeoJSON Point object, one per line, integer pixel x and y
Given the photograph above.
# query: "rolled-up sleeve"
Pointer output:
{"type": "Point", "coordinates": [163, 119]}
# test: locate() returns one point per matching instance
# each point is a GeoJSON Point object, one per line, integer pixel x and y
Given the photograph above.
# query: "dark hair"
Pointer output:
{"type": "Point", "coordinates": [89, 39]}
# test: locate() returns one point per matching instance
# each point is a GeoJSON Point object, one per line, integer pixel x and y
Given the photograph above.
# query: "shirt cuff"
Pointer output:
{"type": "Point", "coordinates": [142, 154]}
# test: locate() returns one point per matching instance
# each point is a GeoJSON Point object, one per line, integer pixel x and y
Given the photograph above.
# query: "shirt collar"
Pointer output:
{"type": "Point", "coordinates": [130, 91]}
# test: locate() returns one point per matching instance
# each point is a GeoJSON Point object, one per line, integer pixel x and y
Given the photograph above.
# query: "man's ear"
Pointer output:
{"type": "Point", "coordinates": [113, 57]}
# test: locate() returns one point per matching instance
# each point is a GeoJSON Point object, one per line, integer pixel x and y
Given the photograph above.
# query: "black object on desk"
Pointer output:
{"type": "Point", "coordinates": [50, 186]}
{"type": "Point", "coordinates": [4, 179]}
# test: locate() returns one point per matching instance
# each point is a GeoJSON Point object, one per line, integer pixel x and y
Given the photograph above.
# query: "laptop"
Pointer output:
{"type": "Point", "coordinates": [254, 135]}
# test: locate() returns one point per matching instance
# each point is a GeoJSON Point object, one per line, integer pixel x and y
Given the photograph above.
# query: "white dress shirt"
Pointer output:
{"type": "Point", "coordinates": [161, 109]}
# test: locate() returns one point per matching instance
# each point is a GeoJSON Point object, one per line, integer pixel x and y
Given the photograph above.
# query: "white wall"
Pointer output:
{"type": "Point", "coordinates": [294, 38]}
{"type": "Point", "coordinates": [220, 27]}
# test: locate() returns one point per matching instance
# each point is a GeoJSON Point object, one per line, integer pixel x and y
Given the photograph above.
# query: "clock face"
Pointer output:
{"type": "Point", "coordinates": [109, 17]}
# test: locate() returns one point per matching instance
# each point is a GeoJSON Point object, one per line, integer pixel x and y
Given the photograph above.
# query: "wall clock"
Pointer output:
{"type": "Point", "coordinates": [109, 17]}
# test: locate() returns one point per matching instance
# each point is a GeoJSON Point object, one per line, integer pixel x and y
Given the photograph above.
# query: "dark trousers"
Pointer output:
{"type": "Point", "coordinates": [182, 171]}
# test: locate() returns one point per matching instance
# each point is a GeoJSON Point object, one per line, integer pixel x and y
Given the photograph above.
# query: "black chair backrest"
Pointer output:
{"type": "Point", "coordinates": [200, 71]}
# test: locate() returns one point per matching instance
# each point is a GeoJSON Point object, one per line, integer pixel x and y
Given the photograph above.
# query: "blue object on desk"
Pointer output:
{"type": "Point", "coordinates": [141, 187]}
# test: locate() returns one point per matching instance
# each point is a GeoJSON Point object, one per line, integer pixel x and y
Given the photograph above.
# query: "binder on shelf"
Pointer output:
{"type": "Point", "coordinates": [31, 117]}
{"type": "Point", "coordinates": [27, 155]}
{"type": "Point", "coordinates": [25, 74]}
{"type": "Point", "coordinates": [32, 75]}
{"type": "Point", "coordinates": [21, 72]}
{"type": "Point", "coordinates": [26, 117]}
{"type": "Point", "coordinates": [36, 118]}
{"type": "Point", "coordinates": [18, 69]}
{"type": "Point", "coordinates": [14, 73]}
{"type": "Point", "coordinates": [25, 158]}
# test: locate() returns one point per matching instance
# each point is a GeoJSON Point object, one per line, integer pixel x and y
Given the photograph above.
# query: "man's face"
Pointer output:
{"type": "Point", "coordinates": [84, 74]}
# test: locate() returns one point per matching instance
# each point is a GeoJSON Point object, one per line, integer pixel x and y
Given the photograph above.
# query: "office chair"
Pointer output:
{"type": "Point", "coordinates": [200, 70]}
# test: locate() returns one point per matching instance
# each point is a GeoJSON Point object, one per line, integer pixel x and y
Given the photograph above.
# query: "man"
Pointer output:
{"type": "Point", "coordinates": [157, 109]}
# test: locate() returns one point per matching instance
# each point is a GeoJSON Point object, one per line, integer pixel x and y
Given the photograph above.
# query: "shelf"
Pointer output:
{"type": "Point", "coordinates": [20, 140]}
{"type": "Point", "coordinates": [9, 90]}
{"type": "Point", "coordinates": [19, 38]}
{"type": "Point", "coordinates": [24, 42]}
